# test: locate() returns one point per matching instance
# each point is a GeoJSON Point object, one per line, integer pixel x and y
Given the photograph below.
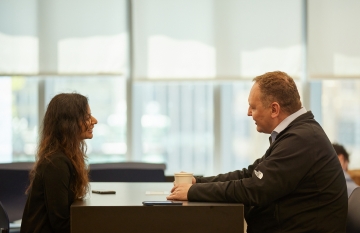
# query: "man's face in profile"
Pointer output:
{"type": "Point", "coordinates": [260, 114]}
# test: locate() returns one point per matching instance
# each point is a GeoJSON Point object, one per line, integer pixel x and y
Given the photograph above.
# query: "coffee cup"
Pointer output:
{"type": "Point", "coordinates": [183, 178]}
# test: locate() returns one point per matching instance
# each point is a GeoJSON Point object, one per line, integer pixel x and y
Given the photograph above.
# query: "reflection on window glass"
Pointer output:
{"type": "Point", "coordinates": [5, 120]}
{"type": "Point", "coordinates": [20, 119]}
{"type": "Point", "coordinates": [341, 110]}
{"type": "Point", "coordinates": [107, 100]}
{"type": "Point", "coordinates": [24, 122]}
{"type": "Point", "coordinates": [176, 125]}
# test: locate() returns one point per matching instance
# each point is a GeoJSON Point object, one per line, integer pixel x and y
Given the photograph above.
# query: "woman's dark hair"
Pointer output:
{"type": "Point", "coordinates": [60, 132]}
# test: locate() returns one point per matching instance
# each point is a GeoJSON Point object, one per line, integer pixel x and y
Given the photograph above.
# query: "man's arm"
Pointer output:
{"type": "Point", "coordinates": [180, 191]}
{"type": "Point", "coordinates": [286, 164]}
{"type": "Point", "coordinates": [235, 175]}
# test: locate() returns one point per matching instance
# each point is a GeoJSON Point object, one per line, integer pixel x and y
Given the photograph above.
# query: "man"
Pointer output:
{"type": "Point", "coordinates": [298, 185]}
{"type": "Point", "coordinates": [343, 156]}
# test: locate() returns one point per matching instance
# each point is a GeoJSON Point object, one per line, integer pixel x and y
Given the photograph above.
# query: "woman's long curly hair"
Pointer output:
{"type": "Point", "coordinates": [61, 130]}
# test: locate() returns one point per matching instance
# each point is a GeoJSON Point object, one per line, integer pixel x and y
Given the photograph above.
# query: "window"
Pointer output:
{"type": "Point", "coordinates": [169, 80]}
{"type": "Point", "coordinates": [23, 97]}
{"type": "Point", "coordinates": [341, 108]}
{"type": "Point", "coordinates": [19, 118]}
{"type": "Point", "coordinates": [107, 100]}
{"type": "Point", "coordinates": [174, 125]}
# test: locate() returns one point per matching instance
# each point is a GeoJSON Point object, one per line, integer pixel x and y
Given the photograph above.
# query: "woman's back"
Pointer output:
{"type": "Point", "coordinates": [48, 206]}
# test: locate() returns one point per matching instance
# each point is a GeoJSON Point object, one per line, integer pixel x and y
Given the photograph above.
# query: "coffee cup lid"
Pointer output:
{"type": "Point", "coordinates": [183, 174]}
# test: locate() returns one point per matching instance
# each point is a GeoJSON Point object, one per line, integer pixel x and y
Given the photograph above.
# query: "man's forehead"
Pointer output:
{"type": "Point", "coordinates": [255, 91]}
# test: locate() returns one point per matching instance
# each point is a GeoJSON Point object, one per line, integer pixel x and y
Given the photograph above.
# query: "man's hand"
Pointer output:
{"type": "Point", "coordinates": [179, 192]}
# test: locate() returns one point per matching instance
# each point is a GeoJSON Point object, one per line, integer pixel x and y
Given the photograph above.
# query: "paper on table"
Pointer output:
{"type": "Point", "coordinates": [157, 192]}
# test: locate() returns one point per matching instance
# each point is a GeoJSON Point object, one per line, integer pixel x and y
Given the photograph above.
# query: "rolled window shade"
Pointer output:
{"type": "Point", "coordinates": [333, 39]}
{"type": "Point", "coordinates": [19, 42]}
{"type": "Point", "coordinates": [254, 37]}
{"type": "Point", "coordinates": [69, 37]}
{"type": "Point", "coordinates": [173, 39]}
{"type": "Point", "coordinates": [216, 39]}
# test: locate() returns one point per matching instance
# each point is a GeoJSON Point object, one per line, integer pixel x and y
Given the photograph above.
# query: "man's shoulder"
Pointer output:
{"type": "Point", "coordinates": [304, 131]}
{"type": "Point", "coordinates": [304, 124]}
{"type": "Point", "coordinates": [307, 116]}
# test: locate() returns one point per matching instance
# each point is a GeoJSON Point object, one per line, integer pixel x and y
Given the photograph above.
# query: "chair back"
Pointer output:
{"type": "Point", "coordinates": [4, 220]}
{"type": "Point", "coordinates": [355, 175]}
{"type": "Point", "coordinates": [127, 172]}
{"type": "Point", "coordinates": [353, 218]}
{"type": "Point", "coordinates": [14, 179]}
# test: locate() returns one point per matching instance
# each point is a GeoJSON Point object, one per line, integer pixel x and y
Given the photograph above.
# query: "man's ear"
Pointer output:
{"type": "Point", "coordinates": [275, 109]}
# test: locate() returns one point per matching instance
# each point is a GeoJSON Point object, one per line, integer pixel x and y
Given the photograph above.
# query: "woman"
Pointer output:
{"type": "Point", "coordinates": [60, 174]}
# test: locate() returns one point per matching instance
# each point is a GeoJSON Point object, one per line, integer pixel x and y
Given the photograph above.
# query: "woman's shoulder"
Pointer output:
{"type": "Point", "coordinates": [56, 157]}
{"type": "Point", "coordinates": [59, 155]}
{"type": "Point", "coordinates": [57, 160]}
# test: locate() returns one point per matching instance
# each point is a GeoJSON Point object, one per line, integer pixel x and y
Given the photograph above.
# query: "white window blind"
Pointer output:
{"type": "Point", "coordinates": [63, 37]}
{"type": "Point", "coordinates": [333, 39]}
{"type": "Point", "coordinates": [19, 42]}
{"type": "Point", "coordinates": [216, 39]}
{"type": "Point", "coordinates": [173, 39]}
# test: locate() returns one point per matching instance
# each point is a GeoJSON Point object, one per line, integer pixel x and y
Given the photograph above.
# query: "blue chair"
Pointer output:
{"type": "Point", "coordinates": [4, 220]}
{"type": "Point", "coordinates": [353, 218]}
{"type": "Point", "coordinates": [14, 178]}
{"type": "Point", "coordinates": [127, 172]}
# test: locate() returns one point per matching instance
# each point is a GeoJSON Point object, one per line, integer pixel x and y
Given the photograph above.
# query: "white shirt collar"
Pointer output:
{"type": "Point", "coordinates": [286, 122]}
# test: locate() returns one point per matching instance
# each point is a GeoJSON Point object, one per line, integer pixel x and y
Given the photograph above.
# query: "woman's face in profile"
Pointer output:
{"type": "Point", "coordinates": [87, 128]}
